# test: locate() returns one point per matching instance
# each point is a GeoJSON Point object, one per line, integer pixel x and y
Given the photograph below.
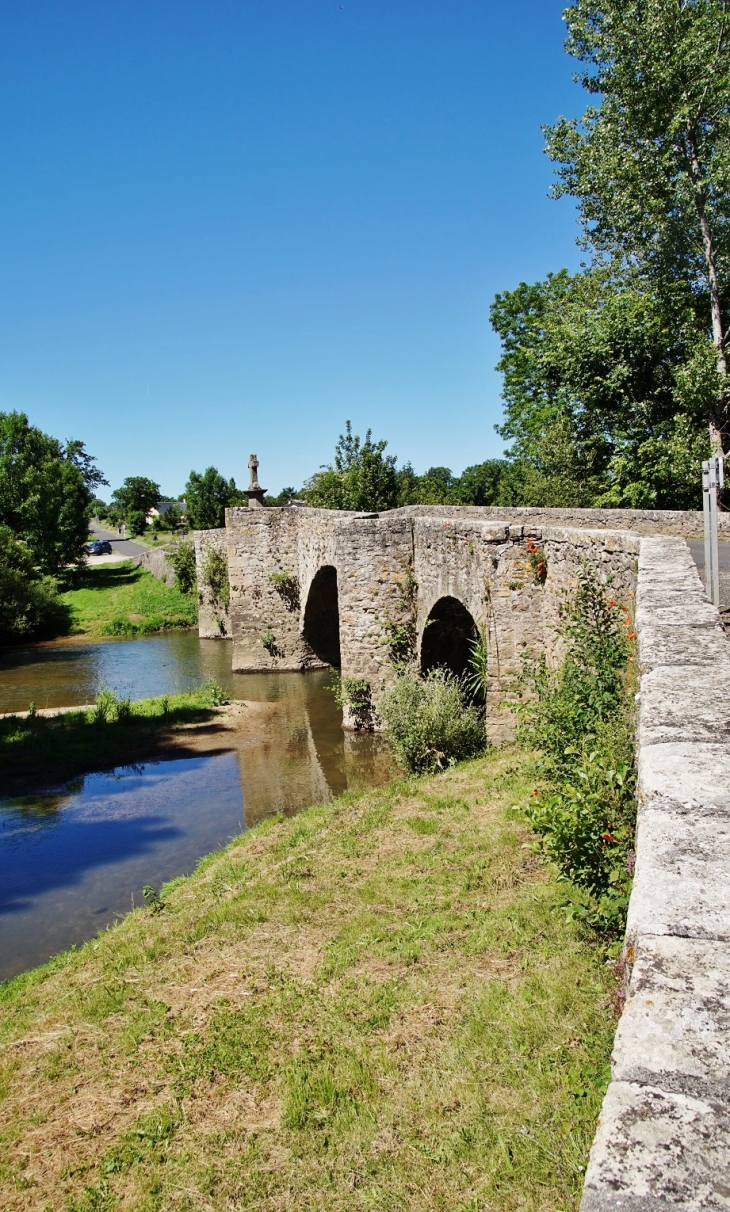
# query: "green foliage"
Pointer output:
{"type": "Point", "coordinates": [152, 898]}
{"type": "Point", "coordinates": [481, 484]}
{"type": "Point", "coordinates": [649, 165]}
{"type": "Point", "coordinates": [207, 497]}
{"type": "Point", "coordinates": [29, 603]}
{"type": "Point", "coordinates": [136, 522]}
{"type": "Point", "coordinates": [580, 717]}
{"type": "Point", "coordinates": [181, 557]}
{"type": "Point", "coordinates": [215, 694]}
{"type": "Point", "coordinates": [476, 677]}
{"type": "Point", "coordinates": [286, 585]}
{"type": "Point", "coordinates": [46, 492]}
{"type": "Point", "coordinates": [362, 477]}
{"type": "Point", "coordinates": [215, 574]}
{"type": "Point", "coordinates": [429, 721]}
{"type": "Point", "coordinates": [606, 393]}
{"type": "Point", "coordinates": [401, 629]}
{"type": "Point", "coordinates": [138, 495]}
{"type": "Point", "coordinates": [355, 695]}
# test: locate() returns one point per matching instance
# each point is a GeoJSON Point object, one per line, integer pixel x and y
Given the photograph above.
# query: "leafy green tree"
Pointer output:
{"type": "Point", "coordinates": [208, 496]}
{"type": "Point", "coordinates": [650, 163]}
{"type": "Point", "coordinates": [136, 497]}
{"type": "Point", "coordinates": [362, 477]}
{"type": "Point", "coordinates": [606, 390]}
{"type": "Point", "coordinates": [482, 484]}
{"type": "Point", "coordinates": [29, 603]}
{"type": "Point", "coordinates": [47, 489]}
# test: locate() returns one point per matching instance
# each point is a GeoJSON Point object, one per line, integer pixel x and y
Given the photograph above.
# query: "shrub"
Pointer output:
{"type": "Point", "coordinates": [215, 575]}
{"type": "Point", "coordinates": [580, 716]}
{"type": "Point", "coordinates": [29, 602]}
{"type": "Point", "coordinates": [429, 721]}
{"type": "Point", "coordinates": [181, 556]}
{"type": "Point", "coordinates": [356, 694]}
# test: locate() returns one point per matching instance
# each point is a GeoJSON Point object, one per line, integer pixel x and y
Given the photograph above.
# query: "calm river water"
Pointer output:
{"type": "Point", "coordinates": [74, 858]}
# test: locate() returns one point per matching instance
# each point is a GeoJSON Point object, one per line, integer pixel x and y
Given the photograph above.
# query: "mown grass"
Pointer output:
{"type": "Point", "coordinates": [78, 741]}
{"type": "Point", "coordinates": [124, 599]}
{"type": "Point", "coordinates": [375, 1004]}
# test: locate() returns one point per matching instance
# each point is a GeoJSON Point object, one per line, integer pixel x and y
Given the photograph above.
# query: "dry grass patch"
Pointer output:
{"type": "Point", "coordinates": [372, 1005]}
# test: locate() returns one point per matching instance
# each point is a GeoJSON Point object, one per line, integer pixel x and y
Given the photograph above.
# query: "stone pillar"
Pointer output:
{"type": "Point", "coordinates": [254, 492]}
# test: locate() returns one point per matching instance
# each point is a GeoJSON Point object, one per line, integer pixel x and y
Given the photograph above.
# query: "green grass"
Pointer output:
{"type": "Point", "coordinates": [377, 1004]}
{"type": "Point", "coordinates": [77, 741]}
{"type": "Point", "coordinates": [124, 599]}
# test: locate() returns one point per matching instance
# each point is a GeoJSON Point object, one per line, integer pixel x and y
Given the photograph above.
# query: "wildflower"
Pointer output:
{"type": "Point", "coordinates": [608, 837]}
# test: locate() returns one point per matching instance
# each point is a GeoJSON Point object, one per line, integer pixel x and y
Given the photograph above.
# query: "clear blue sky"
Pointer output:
{"type": "Point", "coordinates": [228, 225]}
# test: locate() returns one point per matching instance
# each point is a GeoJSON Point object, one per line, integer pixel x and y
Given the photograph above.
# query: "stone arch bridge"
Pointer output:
{"type": "Point", "coordinates": [359, 592]}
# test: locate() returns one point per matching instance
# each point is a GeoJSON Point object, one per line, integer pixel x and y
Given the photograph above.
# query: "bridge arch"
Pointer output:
{"type": "Point", "coordinates": [321, 627]}
{"type": "Point", "coordinates": [445, 640]}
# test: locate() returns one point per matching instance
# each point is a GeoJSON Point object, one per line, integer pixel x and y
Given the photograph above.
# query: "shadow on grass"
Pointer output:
{"type": "Point", "coordinates": [103, 576]}
{"type": "Point", "coordinates": [45, 750]}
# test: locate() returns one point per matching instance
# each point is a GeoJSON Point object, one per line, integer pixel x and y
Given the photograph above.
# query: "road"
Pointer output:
{"type": "Point", "coordinates": [124, 548]}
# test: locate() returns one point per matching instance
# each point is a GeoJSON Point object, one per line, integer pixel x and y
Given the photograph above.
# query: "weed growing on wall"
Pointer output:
{"type": "Point", "coordinates": [286, 585]}
{"type": "Point", "coordinates": [355, 695]}
{"type": "Point", "coordinates": [181, 556]}
{"type": "Point", "coordinates": [430, 722]}
{"type": "Point", "coordinates": [215, 575]}
{"type": "Point", "coordinates": [580, 716]}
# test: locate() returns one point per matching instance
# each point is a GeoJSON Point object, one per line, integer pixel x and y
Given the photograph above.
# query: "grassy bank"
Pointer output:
{"type": "Point", "coordinates": [124, 599]}
{"type": "Point", "coordinates": [111, 734]}
{"type": "Point", "coordinates": [375, 1004]}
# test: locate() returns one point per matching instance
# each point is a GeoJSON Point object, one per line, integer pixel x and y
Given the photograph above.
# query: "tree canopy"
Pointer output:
{"type": "Point", "coordinates": [649, 164]}
{"type": "Point", "coordinates": [46, 492]}
{"type": "Point", "coordinates": [207, 496]}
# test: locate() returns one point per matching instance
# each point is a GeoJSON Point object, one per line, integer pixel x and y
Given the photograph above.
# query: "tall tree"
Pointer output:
{"type": "Point", "coordinates": [362, 476]}
{"type": "Point", "coordinates": [606, 392]}
{"type": "Point", "coordinates": [650, 164]}
{"type": "Point", "coordinates": [207, 496]}
{"type": "Point", "coordinates": [46, 492]}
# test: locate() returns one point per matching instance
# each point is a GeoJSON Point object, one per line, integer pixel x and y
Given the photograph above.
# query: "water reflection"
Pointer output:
{"type": "Point", "coordinates": [74, 858]}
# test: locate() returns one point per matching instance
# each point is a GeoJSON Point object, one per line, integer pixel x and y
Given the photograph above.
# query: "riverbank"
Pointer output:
{"type": "Point", "coordinates": [51, 748]}
{"type": "Point", "coordinates": [123, 599]}
{"type": "Point", "coordinates": [377, 1003]}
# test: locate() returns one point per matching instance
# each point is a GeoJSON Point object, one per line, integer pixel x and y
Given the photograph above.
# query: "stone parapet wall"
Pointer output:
{"type": "Point", "coordinates": [686, 524]}
{"type": "Point", "coordinates": [155, 561]}
{"type": "Point", "coordinates": [664, 1135]}
{"type": "Point", "coordinates": [214, 616]}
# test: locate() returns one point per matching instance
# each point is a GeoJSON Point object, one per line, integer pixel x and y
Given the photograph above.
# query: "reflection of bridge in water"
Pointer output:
{"type": "Point", "coordinates": [306, 758]}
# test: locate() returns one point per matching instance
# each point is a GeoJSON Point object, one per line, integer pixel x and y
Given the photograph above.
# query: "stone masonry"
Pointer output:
{"type": "Point", "coordinates": [664, 1135]}
{"type": "Point", "coordinates": [377, 582]}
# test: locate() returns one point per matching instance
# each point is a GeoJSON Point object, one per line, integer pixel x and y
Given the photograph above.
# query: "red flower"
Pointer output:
{"type": "Point", "coordinates": [608, 837]}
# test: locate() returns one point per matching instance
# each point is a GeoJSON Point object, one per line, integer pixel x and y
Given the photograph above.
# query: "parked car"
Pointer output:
{"type": "Point", "coordinates": [99, 547]}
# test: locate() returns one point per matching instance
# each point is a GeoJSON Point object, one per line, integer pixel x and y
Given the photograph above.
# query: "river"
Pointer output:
{"type": "Point", "coordinates": [74, 858]}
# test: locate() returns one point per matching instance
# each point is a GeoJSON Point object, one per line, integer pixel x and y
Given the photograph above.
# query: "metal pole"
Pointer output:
{"type": "Point", "coordinates": [714, 485]}
{"type": "Point", "coordinates": [706, 513]}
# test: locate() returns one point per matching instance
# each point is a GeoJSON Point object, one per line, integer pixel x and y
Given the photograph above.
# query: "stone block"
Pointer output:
{"type": "Point", "coordinates": [682, 881]}
{"type": "Point", "coordinates": [674, 1032]}
{"type": "Point", "coordinates": [685, 777]}
{"type": "Point", "coordinates": [656, 1149]}
{"type": "Point", "coordinates": [679, 611]}
{"type": "Point", "coordinates": [687, 703]}
{"type": "Point", "coordinates": [676, 645]}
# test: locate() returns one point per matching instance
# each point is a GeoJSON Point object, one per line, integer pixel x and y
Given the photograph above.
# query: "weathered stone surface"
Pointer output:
{"type": "Point", "coordinates": [659, 1148]}
{"type": "Point", "coordinates": [677, 645]}
{"type": "Point", "coordinates": [685, 777]}
{"type": "Point", "coordinates": [675, 1029]}
{"type": "Point", "coordinates": [682, 880]}
{"type": "Point", "coordinates": [687, 703]}
{"type": "Point", "coordinates": [156, 562]}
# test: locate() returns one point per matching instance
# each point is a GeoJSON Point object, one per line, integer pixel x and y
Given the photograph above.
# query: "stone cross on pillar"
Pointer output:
{"type": "Point", "coordinates": [254, 492]}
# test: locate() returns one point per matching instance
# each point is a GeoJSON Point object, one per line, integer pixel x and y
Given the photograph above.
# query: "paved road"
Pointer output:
{"type": "Point", "coordinates": [697, 547]}
{"type": "Point", "coordinates": [125, 547]}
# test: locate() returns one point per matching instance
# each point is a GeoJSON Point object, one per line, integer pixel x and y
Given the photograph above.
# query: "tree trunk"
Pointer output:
{"type": "Point", "coordinates": [718, 414]}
